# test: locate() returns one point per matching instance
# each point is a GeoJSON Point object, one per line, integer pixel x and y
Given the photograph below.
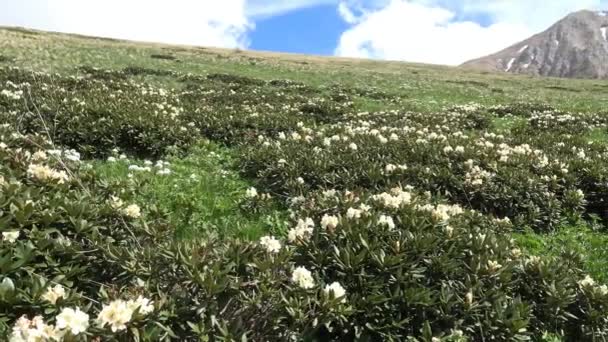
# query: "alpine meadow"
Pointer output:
{"type": "Point", "coordinates": [152, 192]}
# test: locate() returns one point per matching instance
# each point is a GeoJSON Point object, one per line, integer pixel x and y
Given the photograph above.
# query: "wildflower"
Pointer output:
{"type": "Point", "coordinates": [353, 213]}
{"type": "Point", "coordinates": [116, 202]}
{"type": "Point", "coordinates": [11, 236]}
{"type": "Point", "coordinates": [73, 320]}
{"type": "Point", "coordinates": [39, 156]}
{"type": "Point", "coordinates": [271, 244]}
{"type": "Point", "coordinates": [449, 230]}
{"type": "Point", "coordinates": [329, 193]}
{"type": "Point", "coordinates": [385, 220]}
{"type": "Point", "coordinates": [329, 222]}
{"type": "Point", "coordinates": [353, 146]}
{"type": "Point", "coordinates": [34, 330]}
{"type": "Point", "coordinates": [52, 294]}
{"type": "Point", "coordinates": [45, 173]}
{"type": "Point", "coordinates": [71, 155]}
{"type": "Point", "coordinates": [143, 305]}
{"type": "Point", "coordinates": [335, 290]}
{"type": "Point", "coordinates": [468, 298]}
{"type": "Point", "coordinates": [587, 282]}
{"type": "Point", "coordinates": [132, 211]}
{"type": "Point", "coordinates": [111, 159]}
{"type": "Point", "coordinates": [516, 252]}
{"type": "Point", "coordinates": [390, 168]}
{"type": "Point", "coordinates": [251, 192]}
{"type": "Point", "coordinates": [504, 220]}
{"type": "Point", "coordinates": [302, 231]}
{"type": "Point", "coordinates": [116, 314]}
{"type": "Point", "coordinates": [300, 180]}
{"type": "Point", "coordinates": [303, 278]}
{"type": "Point", "coordinates": [493, 265]}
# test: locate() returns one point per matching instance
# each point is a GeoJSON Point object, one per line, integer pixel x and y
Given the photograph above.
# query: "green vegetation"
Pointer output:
{"type": "Point", "coordinates": [200, 195]}
{"type": "Point", "coordinates": [272, 197]}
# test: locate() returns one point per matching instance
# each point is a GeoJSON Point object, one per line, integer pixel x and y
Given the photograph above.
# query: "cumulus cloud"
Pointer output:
{"type": "Point", "coordinates": [212, 23]}
{"type": "Point", "coordinates": [260, 9]}
{"type": "Point", "coordinates": [444, 31]}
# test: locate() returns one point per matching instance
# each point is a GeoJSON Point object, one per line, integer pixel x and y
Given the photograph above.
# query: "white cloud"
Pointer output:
{"type": "Point", "coordinates": [268, 8]}
{"type": "Point", "coordinates": [433, 31]}
{"type": "Point", "coordinates": [197, 22]}
{"type": "Point", "coordinates": [535, 14]}
{"type": "Point", "coordinates": [417, 33]}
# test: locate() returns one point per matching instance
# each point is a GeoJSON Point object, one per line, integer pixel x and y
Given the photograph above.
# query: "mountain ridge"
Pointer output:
{"type": "Point", "coordinates": [574, 47]}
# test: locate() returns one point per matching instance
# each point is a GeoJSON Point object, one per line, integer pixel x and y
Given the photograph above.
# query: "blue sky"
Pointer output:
{"type": "Point", "coordinates": [313, 30]}
{"type": "Point", "coordinates": [429, 31]}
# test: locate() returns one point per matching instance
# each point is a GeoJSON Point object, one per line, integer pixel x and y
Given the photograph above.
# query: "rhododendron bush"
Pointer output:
{"type": "Point", "coordinates": [400, 222]}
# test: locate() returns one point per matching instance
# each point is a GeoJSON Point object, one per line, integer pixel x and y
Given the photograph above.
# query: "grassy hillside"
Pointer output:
{"type": "Point", "coordinates": [159, 192]}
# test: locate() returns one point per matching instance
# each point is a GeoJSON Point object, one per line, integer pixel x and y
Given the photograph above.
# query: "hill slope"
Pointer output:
{"type": "Point", "coordinates": [167, 193]}
{"type": "Point", "coordinates": [420, 87]}
{"type": "Point", "coordinates": [575, 47]}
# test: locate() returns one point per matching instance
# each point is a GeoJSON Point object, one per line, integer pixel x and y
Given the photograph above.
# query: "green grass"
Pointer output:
{"type": "Point", "coordinates": [420, 87]}
{"type": "Point", "coordinates": [202, 195]}
{"type": "Point", "coordinates": [583, 239]}
{"type": "Point", "coordinates": [505, 124]}
{"type": "Point", "coordinates": [598, 135]}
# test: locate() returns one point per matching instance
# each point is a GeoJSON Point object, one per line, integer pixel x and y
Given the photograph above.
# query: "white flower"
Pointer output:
{"type": "Point", "coordinates": [516, 252]}
{"type": "Point", "coordinates": [45, 173]}
{"type": "Point", "coordinates": [353, 213]}
{"type": "Point", "coordinates": [71, 155]}
{"type": "Point", "coordinates": [116, 202]}
{"type": "Point", "coordinates": [353, 146]}
{"type": "Point", "coordinates": [588, 281]}
{"type": "Point", "coordinates": [54, 293]}
{"type": "Point", "coordinates": [469, 298]}
{"type": "Point", "coordinates": [251, 192]}
{"type": "Point", "coordinates": [116, 314]}
{"type": "Point", "coordinates": [11, 236]}
{"type": "Point", "coordinates": [385, 220]}
{"type": "Point", "coordinates": [143, 305]}
{"type": "Point", "coordinates": [111, 159]}
{"type": "Point", "coordinates": [390, 168]}
{"type": "Point", "coordinates": [303, 278]}
{"type": "Point", "coordinates": [336, 290]}
{"type": "Point", "coordinates": [271, 244]}
{"type": "Point", "coordinates": [493, 265]}
{"type": "Point", "coordinates": [300, 180]}
{"type": "Point", "coordinates": [329, 193]}
{"type": "Point", "coordinates": [302, 231]}
{"type": "Point", "coordinates": [34, 330]}
{"type": "Point", "coordinates": [132, 211]}
{"type": "Point", "coordinates": [504, 220]}
{"type": "Point", "coordinates": [329, 222]}
{"type": "Point", "coordinates": [73, 320]}
{"type": "Point", "coordinates": [39, 156]}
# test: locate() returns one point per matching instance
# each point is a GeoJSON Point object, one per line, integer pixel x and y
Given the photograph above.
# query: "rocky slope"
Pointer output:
{"type": "Point", "coordinates": [576, 47]}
